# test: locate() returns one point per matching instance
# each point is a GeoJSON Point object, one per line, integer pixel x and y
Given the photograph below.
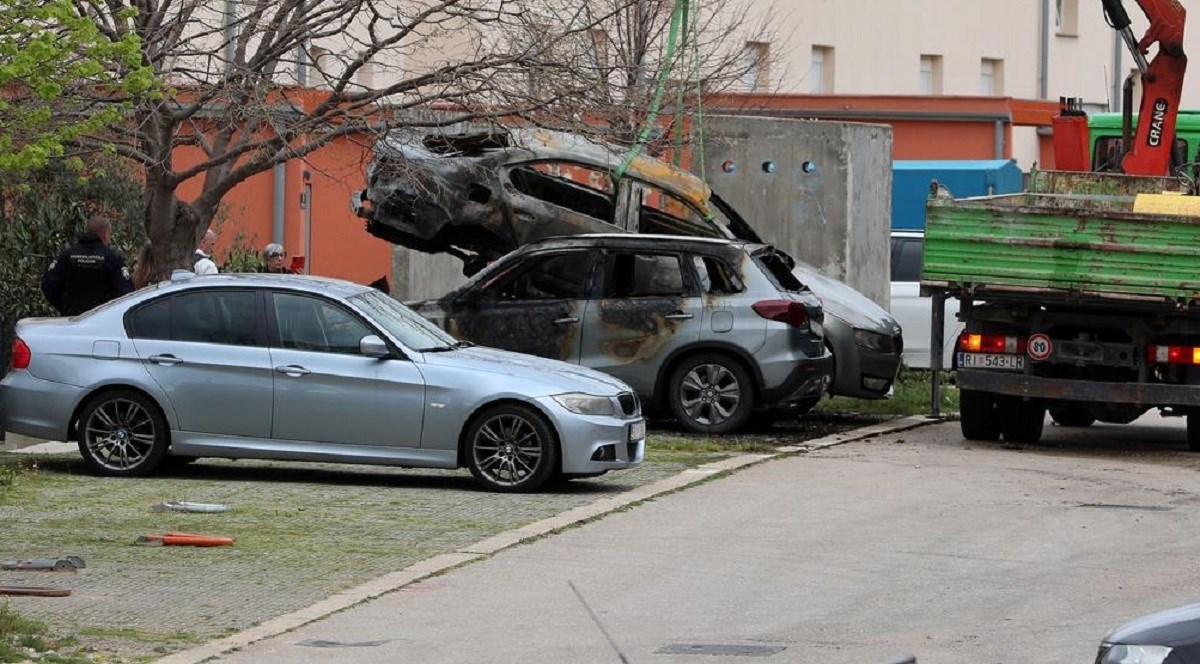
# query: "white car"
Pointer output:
{"type": "Point", "coordinates": [914, 311]}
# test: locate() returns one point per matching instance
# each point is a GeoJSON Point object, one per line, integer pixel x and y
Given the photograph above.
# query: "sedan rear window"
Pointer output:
{"type": "Point", "coordinates": [151, 321]}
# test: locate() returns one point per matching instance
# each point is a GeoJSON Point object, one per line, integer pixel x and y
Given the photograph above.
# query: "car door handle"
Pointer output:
{"type": "Point", "coordinates": [679, 316]}
{"type": "Point", "coordinates": [566, 321]}
{"type": "Point", "coordinates": [165, 360]}
{"type": "Point", "coordinates": [292, 370]}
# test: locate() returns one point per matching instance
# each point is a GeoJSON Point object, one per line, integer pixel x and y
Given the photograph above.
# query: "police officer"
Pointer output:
{"type": "Point", "coordinates": [88, 273]}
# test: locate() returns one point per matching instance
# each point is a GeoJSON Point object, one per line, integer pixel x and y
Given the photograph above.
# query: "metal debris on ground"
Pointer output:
{"type": "Point", "coordinates": [34, 591]}
{"type": "Point", "coordinates": [183, 539]}
{"type": "Point", "coordinates": [202, 508]}
{"type": "Point", "coordinates": [63, 564]}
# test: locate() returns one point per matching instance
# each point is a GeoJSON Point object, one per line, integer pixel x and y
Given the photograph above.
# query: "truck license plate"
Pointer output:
{"type": "Point", "coordinates": [637, 430]}
{"type": "Point", "coordinates": [991, 361]}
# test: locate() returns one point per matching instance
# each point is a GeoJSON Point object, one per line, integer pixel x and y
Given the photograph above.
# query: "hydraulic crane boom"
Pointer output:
{"type": "Point", "coordinates": [1162, 81]}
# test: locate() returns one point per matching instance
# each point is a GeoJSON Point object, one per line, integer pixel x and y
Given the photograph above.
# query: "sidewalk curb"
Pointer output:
{"type": "Point", "coordinates": [487, 547]}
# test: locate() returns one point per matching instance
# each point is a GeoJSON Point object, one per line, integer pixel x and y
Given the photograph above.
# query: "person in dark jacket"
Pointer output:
{"type": "Point", "coordinates": [88, 273]}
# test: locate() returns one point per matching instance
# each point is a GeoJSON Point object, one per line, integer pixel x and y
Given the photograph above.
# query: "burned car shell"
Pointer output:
{"type": "Point", "coordinates": [453, 194]}
{"type": "Point", "coordinates": [456, 194]}
{"type": "Point", "coordinates": [643, 339]}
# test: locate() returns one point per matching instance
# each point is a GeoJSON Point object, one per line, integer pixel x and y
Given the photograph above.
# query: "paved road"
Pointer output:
{"type": "Point", "coordinates": [912, 543]}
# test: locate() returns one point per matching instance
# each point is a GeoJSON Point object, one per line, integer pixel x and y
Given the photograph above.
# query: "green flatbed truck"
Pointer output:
{"type": "Point", "coordinates": [1072, 302]}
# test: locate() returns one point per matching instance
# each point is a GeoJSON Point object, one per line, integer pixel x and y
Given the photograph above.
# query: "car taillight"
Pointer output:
{"type": "Point", "coordinates": [21, 355]}
{"type": "Point", "coordinates": [992, 343]}
{"type": "Point", "coordinates": [1173, 354]}
{"type": "Point", "coordinates": [785, 311]}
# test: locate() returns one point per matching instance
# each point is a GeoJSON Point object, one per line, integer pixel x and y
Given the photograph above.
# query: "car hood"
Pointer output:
{"type": "Point", "coordinates": [558, 377]}
{"type": "Point", "coordinates": [1172, 628]}
{"type": "Point", "coordinates": [844, 302]}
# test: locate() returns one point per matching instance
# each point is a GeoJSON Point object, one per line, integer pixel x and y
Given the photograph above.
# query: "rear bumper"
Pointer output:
{"type": "Point", "coordinates": [1065, 389]}
{"type": "Point", "coordinates": [35, 407]}
{"type": "Point", "coordinates": [807, 378]}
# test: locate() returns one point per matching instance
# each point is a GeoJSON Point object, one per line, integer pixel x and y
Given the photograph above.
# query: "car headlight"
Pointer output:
{"type": "Point", "coordinates": [1120, 654]}
{"type": "Point", "coordinates": [585, 404]}
{"type": "Point", "coordinates": [873, 340]}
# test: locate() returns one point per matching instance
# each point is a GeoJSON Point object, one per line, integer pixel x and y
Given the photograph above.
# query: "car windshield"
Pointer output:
{"type": "Point", "coordinates": [402, 323]}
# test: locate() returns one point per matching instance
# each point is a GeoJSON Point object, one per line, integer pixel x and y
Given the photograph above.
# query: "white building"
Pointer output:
{"type": "Point", "coordinates": [1032, 49]}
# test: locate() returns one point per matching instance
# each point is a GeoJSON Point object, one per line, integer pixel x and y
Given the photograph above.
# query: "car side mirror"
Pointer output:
{"type": "Point", "coordinates": [372, 346]}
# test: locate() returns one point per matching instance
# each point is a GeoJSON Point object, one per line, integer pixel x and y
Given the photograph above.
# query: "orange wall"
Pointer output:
{"type": "Point", "coordinates": [341, 246]}
{"type": "Point", "coordinates": [915, 138]}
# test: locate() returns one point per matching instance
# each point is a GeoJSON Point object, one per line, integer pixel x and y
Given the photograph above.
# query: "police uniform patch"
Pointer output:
{"type": "Point", "coordinates": [53, 263]}
{"type": "Point", "coordinates": [125, 272]}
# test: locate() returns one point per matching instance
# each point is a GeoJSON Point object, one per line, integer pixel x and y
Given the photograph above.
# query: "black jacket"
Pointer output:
{"type": "Point", "coordinates": [85, 275]}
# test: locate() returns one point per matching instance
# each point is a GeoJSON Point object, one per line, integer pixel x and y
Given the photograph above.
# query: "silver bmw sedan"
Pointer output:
{"type": "Point", "coordinates": [306, 369]}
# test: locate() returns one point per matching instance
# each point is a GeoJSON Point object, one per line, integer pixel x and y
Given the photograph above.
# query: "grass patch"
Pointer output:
{"type": "Point", "coordinates": [131, 634]}
{"type": "Point", "coordinates": [25, 640]}
{"type": "Point", "coordinates": [910, 396]}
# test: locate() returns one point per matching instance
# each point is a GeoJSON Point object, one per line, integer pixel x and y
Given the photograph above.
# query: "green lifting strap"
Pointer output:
{"type": "Point", "coordinates": [688, 34]}
{"type": "Point", "coordinates": [659, 87]}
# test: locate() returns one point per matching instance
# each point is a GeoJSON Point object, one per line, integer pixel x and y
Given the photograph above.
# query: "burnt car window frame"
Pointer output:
{"type": "Point", "coordinates": [703, 223]}
{"type": "Point", "coordinates": [611, 197]}
{"type": "Point", "coordinates": [524, 264]}
{"type": "Point", "coordinates": [735, 280]}
{"type": "Point", "coordinates": [782, 279]}
{"type": "Point", "coordinates": [601, 275]}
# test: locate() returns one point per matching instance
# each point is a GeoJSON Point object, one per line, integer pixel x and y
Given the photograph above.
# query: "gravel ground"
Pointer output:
{"type": "Point", "coordinates": [302, 532]}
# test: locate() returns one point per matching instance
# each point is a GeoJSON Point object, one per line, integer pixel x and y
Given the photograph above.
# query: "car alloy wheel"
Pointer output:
{"type": "Point", "coordinates": [711, 394]}
{"type": "Point", "coordinates": [122, 433]}
{"type": "Point", "coordinates": [511, 448]}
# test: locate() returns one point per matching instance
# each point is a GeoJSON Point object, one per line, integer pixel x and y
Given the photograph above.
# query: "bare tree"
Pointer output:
{"type": "Point", "coordinates": [253, 83]}
{"type": "Point", "coordinates": [618, 60]}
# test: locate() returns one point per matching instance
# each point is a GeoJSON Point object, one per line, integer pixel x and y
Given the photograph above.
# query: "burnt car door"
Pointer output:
{"type": "Point", "coordinates": [647, 307]}
{"type": "Point", "coordinates": [534, 306]}
{"type": "Point", "coordinates": [553, 197]}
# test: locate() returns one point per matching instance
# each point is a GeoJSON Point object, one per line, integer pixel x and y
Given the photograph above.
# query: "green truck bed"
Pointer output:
{"type": "Point", "coordinates": [1071, 236]}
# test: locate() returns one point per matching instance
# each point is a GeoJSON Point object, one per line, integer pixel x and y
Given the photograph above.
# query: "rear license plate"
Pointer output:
{"type": "Point", "coordinates": [990, 361]}
{"type": "Point", "coordinates": [637, 430]}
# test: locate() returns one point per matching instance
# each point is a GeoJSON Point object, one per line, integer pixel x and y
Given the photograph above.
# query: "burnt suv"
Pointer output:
{"type": "Point", "coordinates": [707, 331]}
{"type": "Point", "coordinates": [478, 196]}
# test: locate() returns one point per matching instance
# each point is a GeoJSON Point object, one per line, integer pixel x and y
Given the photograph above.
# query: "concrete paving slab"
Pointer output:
{"type": "Point", "coordinates": [914, 542]}
{"type": "Point", "coordinates": [490, 546]}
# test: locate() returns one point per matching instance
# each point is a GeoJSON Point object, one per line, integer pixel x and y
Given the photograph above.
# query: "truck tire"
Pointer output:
{"type": "Point", "coordinates": [1021, 421]}
{"type": "Point", "coordinates": [1072, 415]}
{"type": "Point", "coordinates": [1193, 429]}
{"type": "Point", "coordinates": [978, 415]}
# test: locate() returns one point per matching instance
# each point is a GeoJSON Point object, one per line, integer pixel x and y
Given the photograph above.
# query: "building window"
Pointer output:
{"type": "Point", "coordinates": [991, 77]}
{"type": "Point", "coordinates": [755, 67]}
{"type": "Point", "coordinates": [931, 74]}
{"type": "Point", "coordinates": [1066, 18]}
{"type": "Point", "coordinates": [820, 72]}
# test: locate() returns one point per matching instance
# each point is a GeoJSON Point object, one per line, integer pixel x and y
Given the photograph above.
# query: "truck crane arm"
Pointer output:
{"type": "Point", "coordinates": [1162, 81]}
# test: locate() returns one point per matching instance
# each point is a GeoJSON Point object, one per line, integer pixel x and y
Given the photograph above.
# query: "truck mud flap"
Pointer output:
{"type": "Point", "coordinates": [1015, 384]}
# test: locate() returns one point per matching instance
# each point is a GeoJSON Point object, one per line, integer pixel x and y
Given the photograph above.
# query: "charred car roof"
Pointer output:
{"type": "Point", "coordinates": [521, 144]}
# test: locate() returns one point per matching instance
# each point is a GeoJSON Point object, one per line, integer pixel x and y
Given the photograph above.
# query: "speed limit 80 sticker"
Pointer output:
{"type": "Point", "coordinates": [1040, 347]}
